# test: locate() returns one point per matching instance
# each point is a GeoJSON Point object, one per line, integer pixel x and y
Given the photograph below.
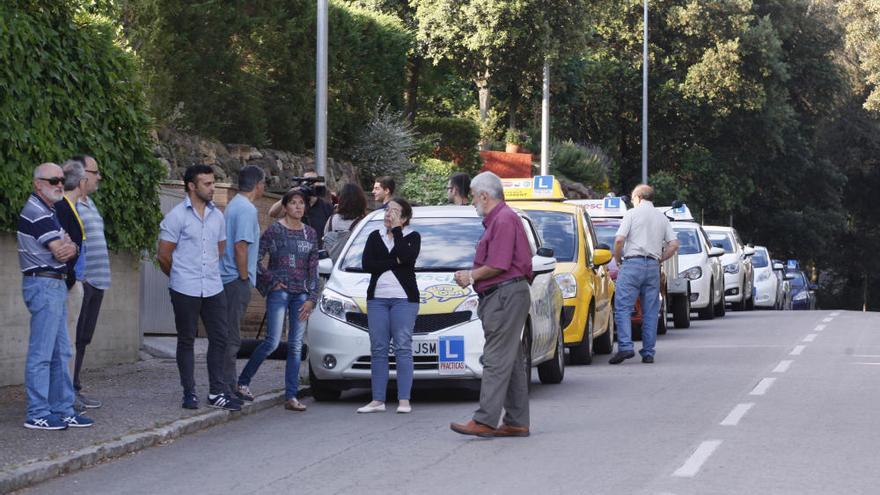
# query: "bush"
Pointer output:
{"type": "Point", "coordinates": [385, 145]}
{"type": "Point", "coordinates": [454, 140]}
{"type": "Point", "coordinates": [73, 90]}
{"type": "Point", "coordinates": [586, 164]}
{"type": "Point", "coordinates": [425, 184]}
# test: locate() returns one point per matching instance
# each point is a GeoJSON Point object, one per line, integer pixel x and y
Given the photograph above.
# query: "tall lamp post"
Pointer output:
{"type": "Point", "coordinates": [321, 92]}
{"type": "Point", "coordinates": [545, 121]}
{"type": "Point", "coordinates": [645, 98]}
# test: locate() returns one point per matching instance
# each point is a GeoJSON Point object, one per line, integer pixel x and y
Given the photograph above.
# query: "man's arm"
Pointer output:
{"type": "Point", "coordinates": [670, 250]}
{"type": "Point", "coordinates": [166, 248]}
{"type": "Point", "coordinates": [221, 248]}
{"type": "Point", "coordinates": [619, 241]}
{"type": "Point", "coordinates": [240, 250]}
{"type": "Point", "coordinates": [62, 249]}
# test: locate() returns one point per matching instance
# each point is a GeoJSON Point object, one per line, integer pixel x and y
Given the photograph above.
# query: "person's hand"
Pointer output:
{"type": "Point", "coordinates": [306, 310]}
{"type": "Point", "coordinates": [463, 278]}
{"type": "Point", "coordinates": [63, 249]}
{"type": "Point", "coordinates": [394, 218]}
{"type": "Point", "coordinates": [279, 286]}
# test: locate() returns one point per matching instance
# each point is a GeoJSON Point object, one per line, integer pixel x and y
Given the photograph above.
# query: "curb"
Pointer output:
{"type": "Point", "coordinates": [41, 470]}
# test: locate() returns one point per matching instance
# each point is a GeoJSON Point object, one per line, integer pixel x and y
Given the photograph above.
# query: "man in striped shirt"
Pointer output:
{"type": "Point", "coordinates": [95, 275]}
{"type": "Point", "coordinates": [43, 249]}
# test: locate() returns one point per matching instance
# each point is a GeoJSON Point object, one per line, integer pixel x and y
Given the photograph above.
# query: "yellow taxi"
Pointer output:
{"type": "Point", "coordinates": [581, 271]}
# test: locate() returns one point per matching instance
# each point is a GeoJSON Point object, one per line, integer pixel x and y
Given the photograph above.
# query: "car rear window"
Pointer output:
{"type": "Point", "coordinates": [605, 230]}
{"type": "Point", "coordinates": [688, 239]}
{"type": "Point", "coordinates": [558, 231]}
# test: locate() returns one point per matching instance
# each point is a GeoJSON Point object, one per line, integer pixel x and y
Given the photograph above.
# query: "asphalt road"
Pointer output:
{"type": "Point", "coordinates": [754, 403]}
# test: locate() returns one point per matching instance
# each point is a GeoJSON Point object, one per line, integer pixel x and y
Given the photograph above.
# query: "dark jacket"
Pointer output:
{"type": "Point", "coordinates": [376, 260]}
{"type": "Point", "coordinates": [68, 220]}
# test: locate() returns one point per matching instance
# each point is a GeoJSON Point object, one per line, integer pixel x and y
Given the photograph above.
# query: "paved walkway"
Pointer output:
{"type": "Point", "coordinates": [139, 397]}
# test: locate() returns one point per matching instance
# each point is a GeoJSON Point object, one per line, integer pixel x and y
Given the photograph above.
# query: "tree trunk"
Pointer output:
{"type": "Point", "coordinates": [413, 74]}
{"type": "Point", "coordinates": [514, 104]}
{"type": "Point", "coordinates": [482, 82]}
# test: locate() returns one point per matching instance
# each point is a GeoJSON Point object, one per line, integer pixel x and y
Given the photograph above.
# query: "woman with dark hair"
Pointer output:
{"type": "Point", "coordinates": [290, 284]}
{"type": "Point", "coordinates": [351, 208]}
{"type": "Point", "coordinates": [392, 302]}
{"type": "Point", "coordinates": [458, 188]}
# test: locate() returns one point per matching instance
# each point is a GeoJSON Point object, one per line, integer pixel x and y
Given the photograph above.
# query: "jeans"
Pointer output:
{"type": "Point", "coordinates": [85, 326]}
{"type": "Point", "coordinates": [391, 319]}
{"type": "Point", "coordinates": [277, 303]}
{"type": "Point", "coordinates": [638, 277]}
{"type": "Point", "coordinates": [212, 310]}
{"type": "Point", "coordinates": [238, 296]}
{"type": "Point", "coordinates": [47, 377]}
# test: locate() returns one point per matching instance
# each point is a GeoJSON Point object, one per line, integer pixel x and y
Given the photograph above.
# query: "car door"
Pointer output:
{"type": "Point", "coordinates": [603, 292]}
{"type": "Point", "coordinates": [546, 304]}
{"type": "Point", "coordinates": [716, 266]}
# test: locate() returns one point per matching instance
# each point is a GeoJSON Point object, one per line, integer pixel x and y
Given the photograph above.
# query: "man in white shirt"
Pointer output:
{"type": "Point", "coordinates": [644, 240]}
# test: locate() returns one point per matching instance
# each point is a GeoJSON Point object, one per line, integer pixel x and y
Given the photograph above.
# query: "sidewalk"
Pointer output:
{"type": "Point", "coordinates": [141, 408]}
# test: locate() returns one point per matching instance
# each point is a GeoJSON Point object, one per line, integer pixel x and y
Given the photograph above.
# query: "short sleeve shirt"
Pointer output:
{"type": "Point", "coordinates": [195, 262]}
{"type": "Point", "coordinates": [646, 231]}
{"type": "Point", "coordinates": [504, 246]}
{"type": "Point", "coordinates": [242, 224]}
{"type": "Point", "coordinates": [37, 227]}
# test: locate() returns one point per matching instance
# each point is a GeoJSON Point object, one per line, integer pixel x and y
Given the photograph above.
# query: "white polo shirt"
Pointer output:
{"type": "Point", "coordinates": [646, 231]}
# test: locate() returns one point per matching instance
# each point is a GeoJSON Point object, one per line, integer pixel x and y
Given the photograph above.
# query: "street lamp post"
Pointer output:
{"type": "Point", "coordinates": [545, 122]}
{"type": "Point", "coordinates": [645, 98]}
{"type": "Point", "coordinates": [321, 92]}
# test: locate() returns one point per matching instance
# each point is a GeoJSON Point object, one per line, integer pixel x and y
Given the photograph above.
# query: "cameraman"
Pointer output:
{"type": "Point", "coordinates": [319, 209]}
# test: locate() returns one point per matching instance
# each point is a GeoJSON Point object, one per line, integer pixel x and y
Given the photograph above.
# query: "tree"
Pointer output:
{"type": "Point", "coordinates": [862, 18]}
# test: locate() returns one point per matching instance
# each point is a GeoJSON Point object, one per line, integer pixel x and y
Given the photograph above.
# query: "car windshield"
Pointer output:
{"type": "Point", "coordinates": [759, 260]}
{"type": "Point", "coordinates": [448, 244]}
{"type": "Point", "coordinates": [798, 281]}
{"type": "Point", "coordinates": [558, 231]}
{"type": "Point", "coordinates": [722, 240]}
{"type": "Point", "coordinates": [605, 230]}
{"type": "Point", "coordinates": [688, 239]}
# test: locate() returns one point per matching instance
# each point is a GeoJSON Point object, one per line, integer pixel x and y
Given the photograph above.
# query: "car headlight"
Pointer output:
{"type": "Point", "coordinates": [568, 284]}
{"type": "Point", "coordinates": [800, 296]}
{"type": "Point", "coordinates": [692, 273]}
{"type": "Point", "coordinates": [763, 276]}
{"type": "Point", "coordinates": [732, 268]}
{"type": "Point", "coordinates": [336, 306]}
{"type": "Point", "coordinates": [470, 304]}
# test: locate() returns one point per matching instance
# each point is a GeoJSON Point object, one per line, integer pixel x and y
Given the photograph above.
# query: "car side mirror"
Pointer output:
{"type": "Point", "coordinates": [789, 276]}
{"type": "Point", "coordinates": [715, 252]}
{"type": "Point", "coordinates": [813, 287]}
{"type": "Point", "coordinates": [601, 257]}
{"type": "Point", "coordinates": [325, 265]}
{"type": "Point", "coordinates": [603, 246]}
{"type": "Point", "coordinates": [778, 267]}
{"type": "Point", "coordinates": [545, 252]}
{"type": "Point", "coordinates": [748, 251]}
{"type": "Point", "coordinates": [543, 264]}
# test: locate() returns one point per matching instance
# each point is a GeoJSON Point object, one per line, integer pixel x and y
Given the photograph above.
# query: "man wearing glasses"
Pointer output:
{"type": "Point", "coordinates": [43, 249]}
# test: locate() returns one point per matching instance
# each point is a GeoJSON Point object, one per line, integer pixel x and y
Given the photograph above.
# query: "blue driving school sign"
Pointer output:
{"type": "Point", "coordinates": [451, 358]}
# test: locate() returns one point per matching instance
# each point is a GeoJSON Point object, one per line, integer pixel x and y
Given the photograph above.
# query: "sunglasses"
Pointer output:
{"type": "Point", "coordinates": [54, 181]}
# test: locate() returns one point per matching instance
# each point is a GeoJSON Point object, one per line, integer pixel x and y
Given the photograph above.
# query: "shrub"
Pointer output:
{"type": "Point", "coordinates": [73, 90]}
{"type": "Point", "coordinates": [586, 164]}
{"type": "Point", "coordinates": [453, 139]}
{"type": "Point", "coordinates": [425, 184]}
{"type": "Point", "coordinates": [386, 145]}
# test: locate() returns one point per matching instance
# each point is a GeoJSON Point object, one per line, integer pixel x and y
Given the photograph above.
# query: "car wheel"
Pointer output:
{"type": "Point", "coordinates": [527, 352]}
{"type": "Point", "coordinates": [708, 312]}
{"type": "Point", "coordinates": [661, 318]}
{"type": "Point", "coordinates": [681, 311]}
{"type": "Point", "coordinates": [604, 344]}
{"type": "Point", "coordinates": [750, 304]}
{"type": "Point", "coordinates": [583, 352]}
{"type": "Point", "coordinates": [720, 310]}
{"type": "Point", "coordinates": [321, 392]}
{"type": "Point", "coordinates": [553, 371]}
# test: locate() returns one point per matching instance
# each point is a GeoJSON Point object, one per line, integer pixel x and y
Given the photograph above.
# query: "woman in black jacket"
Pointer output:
{"type": "Point", "coordinates": [392, 302]}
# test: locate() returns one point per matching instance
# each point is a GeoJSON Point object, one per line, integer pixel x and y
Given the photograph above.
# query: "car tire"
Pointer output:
{"type": "Point", "coordinates": [720, 309]}
{"type": "Point", "coordinates": [681, 311]}
{"type": "Point", "coordinates": [553, 371]}
{"type": "Point", "coordinates": [750, 304]}
{"type": "Point", "coordinates": [708, 312]}
{"type": "Point", "coordinates": [662, 322]}
{"type": "Point", "coordinates": [583, 352]}
{"type": "Point", "coordinates": [604, 344]}
{"type": "Point", "coordinates": [321, 392]}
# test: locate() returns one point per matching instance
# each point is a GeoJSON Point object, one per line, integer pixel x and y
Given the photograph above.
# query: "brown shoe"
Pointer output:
{"type": "Point", "coordinates": [512, 431]}
{"type": "Point", "coordinates": [294, 405]}
{"type": "Point", "coordinates": [473, 428]}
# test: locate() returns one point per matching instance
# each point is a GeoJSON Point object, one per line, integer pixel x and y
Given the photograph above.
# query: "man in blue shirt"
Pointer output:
{"type": "Point", "coordinates": [44, 248]}
{"type": "Point", "coordinates": [238, 266]}
{"type": "Point", "coordinates": [192, 238]}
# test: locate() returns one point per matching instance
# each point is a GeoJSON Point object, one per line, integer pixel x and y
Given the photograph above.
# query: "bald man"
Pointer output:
{"type": "Point", "coordinates": [643, 241]}
{"type": "Point", "coordinates": [44, 248]}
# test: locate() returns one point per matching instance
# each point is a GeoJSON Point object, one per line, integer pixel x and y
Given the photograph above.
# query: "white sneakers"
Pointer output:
{"type": "Point", "coordinates": [376, 406]}
{"type": "Point", "coordinates": [404, 409]}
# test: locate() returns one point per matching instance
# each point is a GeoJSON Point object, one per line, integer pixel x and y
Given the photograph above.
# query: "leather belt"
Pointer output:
{"type": "Point", "coordinates": [55, 275]}
{"type": "Point", "coordinates": [499, 285]}
{"type": "Point", "coordinates": [640, 257]}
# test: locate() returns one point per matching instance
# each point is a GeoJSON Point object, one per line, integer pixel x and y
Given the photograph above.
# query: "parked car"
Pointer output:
{"type": "Point", "coordinates": [339, 345]}
{"type": "Point", "coordinates": [803, 295]}
{"type": "Point", "coordinates": [738, 272]}
{"type": "Point", "coordinates": [784, 286]}
{"type": "Point", "coordinates": [769, 285]}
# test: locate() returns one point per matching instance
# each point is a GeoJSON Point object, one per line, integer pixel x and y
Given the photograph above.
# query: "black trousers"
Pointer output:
{"type": "Point", "coordinates": [85, 327]}
{"type": "Point", "coordinates": [212, 311]}
{"type": "Point", "coordinates": [238, 296]}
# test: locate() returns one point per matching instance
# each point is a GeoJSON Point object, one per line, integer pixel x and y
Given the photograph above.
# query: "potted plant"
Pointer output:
{"type": "Point", "coordinates": [515, 139]}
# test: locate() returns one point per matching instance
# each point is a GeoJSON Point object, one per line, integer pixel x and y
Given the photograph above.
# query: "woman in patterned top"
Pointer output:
{"type": "Point", "coordinates": [290, 283]}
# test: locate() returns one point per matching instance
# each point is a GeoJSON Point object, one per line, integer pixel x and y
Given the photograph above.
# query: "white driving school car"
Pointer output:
{"type": "Point", "coordinates": [448, 336]}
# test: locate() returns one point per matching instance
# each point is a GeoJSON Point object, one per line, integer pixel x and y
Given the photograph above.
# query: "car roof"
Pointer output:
{"type": "Point", "coordinates": [445, 211]}
{"type": "Point", "coordinates": [717, 228]}
{"type": "Point", "coordinates": [549, 206]}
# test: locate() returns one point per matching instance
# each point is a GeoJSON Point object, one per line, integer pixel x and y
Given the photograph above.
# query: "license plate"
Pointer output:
{"type": "Point", "coordinates": [420, 348]}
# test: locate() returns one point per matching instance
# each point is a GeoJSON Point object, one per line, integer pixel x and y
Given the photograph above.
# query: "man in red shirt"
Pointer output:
{"type": "Point", "coordinates": [501, 274]}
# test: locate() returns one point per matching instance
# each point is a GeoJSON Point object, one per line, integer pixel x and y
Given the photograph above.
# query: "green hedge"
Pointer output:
{"type": "Point", "coordinates": [455, 140]}
{"type": "Point", "coordinates": [67, 89]}
{"type": "Point", "coordinates": [244, 71]}
{"type": "Point", "coordinates": [425, 184]}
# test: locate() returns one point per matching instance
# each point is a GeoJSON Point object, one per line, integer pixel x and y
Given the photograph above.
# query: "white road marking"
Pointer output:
{"type": "Point", "coordinates": [692, 466]}
{"type": "Point", "coordinates": [870, 364]}
{"type": "Point", "coordinates": [826, 320]}
{"type": "Point", "coordinates": [867, 355]}
{"type": "Point", "coordinates": [811, 337]}
{"type": "Point", "coordinates": [819, 328]}
{"type": "Point", "coordinates": [762, 386]}
{"type": "Point", "coordinates": [835, 314]}
{"type": "Point", "coordinates": [737, 414]}
{"type": "Point", "coordinates": [783, 366]}
{"type": "Point", "coordinates": [798, 349]}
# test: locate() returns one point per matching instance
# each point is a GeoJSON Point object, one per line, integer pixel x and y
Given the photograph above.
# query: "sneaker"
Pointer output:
{"type": "Point", "coordinates": [372, 408]}
{"type": "Point", "coordinates": [223, 401]}
{"type": "Point", "coordinates": [244, 393]}
{"type": "Point", "coordinates": [47, 422]}
{"type": "Point", "coordinates": [190, 401]}
{"type": "Point", "coordinates": [83, 402]}
{"type": "Point", "coordinates": [78, 421]}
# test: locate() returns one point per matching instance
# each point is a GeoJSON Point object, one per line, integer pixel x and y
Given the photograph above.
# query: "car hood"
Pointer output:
{"type": "Point", "coordinates": [687, 261]}
{"type": "Point", "coordinates": [437, 290]}
{"type": "Point", "coordinates": [728, 258]}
